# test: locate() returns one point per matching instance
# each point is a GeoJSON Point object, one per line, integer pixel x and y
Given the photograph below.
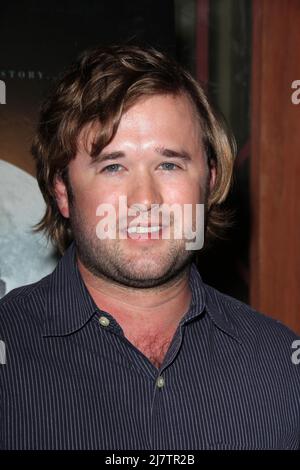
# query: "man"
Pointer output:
{"type": "Point", "coordinates": [124, 346]}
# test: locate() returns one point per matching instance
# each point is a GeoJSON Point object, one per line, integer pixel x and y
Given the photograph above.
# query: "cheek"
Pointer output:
{"type": "Point", "coordinates": [186, 192]}
{"type": "Point", "coordinates": [89, 198]}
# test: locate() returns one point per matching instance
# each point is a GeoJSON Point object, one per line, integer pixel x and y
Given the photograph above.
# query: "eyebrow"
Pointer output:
{"type": "Point", "coordinates": [165, 152]}
{"type": "Point", "coordinates": [103, 156]}
{"type": "Point", "coordinates": [183, 155]}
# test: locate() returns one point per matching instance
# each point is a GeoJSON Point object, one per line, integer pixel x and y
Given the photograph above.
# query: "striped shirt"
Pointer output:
{"type": "Point", "coordinates": [71, 379]}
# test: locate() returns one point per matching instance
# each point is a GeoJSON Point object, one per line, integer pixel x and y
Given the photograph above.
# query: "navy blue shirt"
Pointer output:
{"type": "Point", "coordinates": [73, 381]}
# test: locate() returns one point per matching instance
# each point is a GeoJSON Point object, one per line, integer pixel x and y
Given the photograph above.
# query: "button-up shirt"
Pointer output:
{"type": "Point", "coordinates": [71, 379]}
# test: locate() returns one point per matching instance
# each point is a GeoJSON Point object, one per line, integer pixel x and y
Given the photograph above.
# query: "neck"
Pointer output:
{"type": "Point", "coordinates": [141, 311]}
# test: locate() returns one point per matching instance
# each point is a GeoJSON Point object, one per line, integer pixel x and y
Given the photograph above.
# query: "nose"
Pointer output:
{"type": "Point", "coordinates": [143, 192]}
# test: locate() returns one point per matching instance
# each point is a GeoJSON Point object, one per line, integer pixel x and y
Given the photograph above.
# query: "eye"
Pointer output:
{"type": "Point", "coordinates": [170, 166]}
{"type": "Point", "coordinates": [113, 168]}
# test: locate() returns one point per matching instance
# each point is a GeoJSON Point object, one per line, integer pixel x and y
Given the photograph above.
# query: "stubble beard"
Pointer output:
{"type": "Point", "coordinates": [145, 267]}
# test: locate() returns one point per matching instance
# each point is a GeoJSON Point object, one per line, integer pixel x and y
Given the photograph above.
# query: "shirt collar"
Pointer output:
{"type": "Point", "coordinates": [208, 300]}
{"type": "Point", "coordinates": [69, 306]}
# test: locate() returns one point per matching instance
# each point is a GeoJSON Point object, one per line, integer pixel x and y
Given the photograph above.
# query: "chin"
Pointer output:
{"type": "Point", "coordinates": [147, 269]}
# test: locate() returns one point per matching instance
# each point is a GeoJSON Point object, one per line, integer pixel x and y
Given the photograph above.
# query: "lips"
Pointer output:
{"type": "Point", "coordinates": [144, 232]}
{"type": "Point", "coordinates": [141, 229]}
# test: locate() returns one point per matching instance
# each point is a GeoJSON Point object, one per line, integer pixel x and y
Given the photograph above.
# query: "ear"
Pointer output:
{"type": "Point", "coordinates": [61, 196]}
{"type": "Point", "coordinates": [212, 174]}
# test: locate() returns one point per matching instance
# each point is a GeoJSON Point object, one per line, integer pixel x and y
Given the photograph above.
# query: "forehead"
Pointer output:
{"type": "Point", "coordinates": [159, 117]}
{"type": "Point", "coordinates": [162, 111]}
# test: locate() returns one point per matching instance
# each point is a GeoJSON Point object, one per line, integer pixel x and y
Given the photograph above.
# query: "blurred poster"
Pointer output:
{"type": "Point", "coordinates": [25, 257]}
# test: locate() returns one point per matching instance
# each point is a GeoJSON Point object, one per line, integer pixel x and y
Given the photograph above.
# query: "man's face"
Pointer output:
{"type": "Point", "coordinates": [155, 158]}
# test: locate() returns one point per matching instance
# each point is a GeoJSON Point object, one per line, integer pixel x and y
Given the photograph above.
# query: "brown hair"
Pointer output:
{"type": "Point", "coordinates": [101, 86]}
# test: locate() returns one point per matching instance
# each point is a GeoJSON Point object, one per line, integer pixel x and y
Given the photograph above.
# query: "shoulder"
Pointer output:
{"type": "Point", "coordinates": [266, 344]}
{"type": "Point", "coordinates": [256, 351]}
{"type": "Point", "coordinates": [244, 316]}
{"type": "Point", "coordinates": [23, 306]}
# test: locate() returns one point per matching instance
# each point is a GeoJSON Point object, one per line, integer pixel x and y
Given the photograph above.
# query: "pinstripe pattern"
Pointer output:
{"type": "Point", "coordinates": [70, 383]}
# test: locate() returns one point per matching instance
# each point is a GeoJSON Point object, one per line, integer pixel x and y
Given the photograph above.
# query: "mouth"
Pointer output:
{"type": "Point", "coordinates": [145, 232]}
{"type": "Point", "coordinates": [144, 229]}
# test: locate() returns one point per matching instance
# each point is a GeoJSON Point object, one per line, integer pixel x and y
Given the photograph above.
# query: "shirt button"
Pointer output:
{"type": "Point", "coordinates": [104, 321]}
{"type": "Point", "coordinates": [160, 381]}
